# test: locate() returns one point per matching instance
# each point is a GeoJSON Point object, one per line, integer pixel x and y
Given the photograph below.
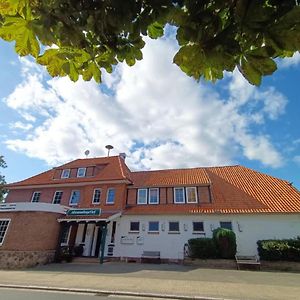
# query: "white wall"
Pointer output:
{"type": "Point", "coordinates": [248, 229]}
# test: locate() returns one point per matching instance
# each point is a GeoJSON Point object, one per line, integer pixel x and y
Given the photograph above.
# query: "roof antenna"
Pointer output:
{"type": "Point", "coordinates": [86, 152]}
{"type": "Point", "coordinates": [108, 147]}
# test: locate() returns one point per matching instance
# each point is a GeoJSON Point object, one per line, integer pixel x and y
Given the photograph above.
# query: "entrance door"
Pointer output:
{"type": "Point", "coordinates": [98, 242]}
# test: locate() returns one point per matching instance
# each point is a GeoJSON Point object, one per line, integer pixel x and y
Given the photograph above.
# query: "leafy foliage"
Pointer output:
{"type": "Point", "coordinates": [214, 36]}
{"type": "Point", "coordinates": [2, 179]}
{"type": "Point", "coordinates": [279, 249]}
{"type": "Point", "coordinates": [225, 240]}
{"type": "Point", "coordinates": [202, 248]}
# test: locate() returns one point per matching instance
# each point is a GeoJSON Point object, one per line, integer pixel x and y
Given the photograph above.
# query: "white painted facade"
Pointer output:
{"type": "Point", "coordinates": [248, 229]}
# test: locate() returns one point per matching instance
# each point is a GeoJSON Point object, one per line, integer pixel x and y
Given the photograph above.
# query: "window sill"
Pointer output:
{"type": "Point", "coordinates": [155, 203]}
{"type": "Point", "coordinates": [133, 232]}
{"type": "Point", "coordinates": [199, 232]}
{"type": "Point", "coordinates": [153, 232]}
{"type": "Point", "coordinates": [174, 232]}
{"type": "Point", "coordinates": [109, 203]}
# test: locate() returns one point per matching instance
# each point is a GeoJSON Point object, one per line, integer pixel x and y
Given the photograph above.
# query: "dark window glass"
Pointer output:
{"type": "Point", "coordinates": [198, 226]}
{"type": "Point", "coordinates": [153, 226]}
{"type": "Point", "coordinates": [57, 197]}
{"type": "Point", "coordinates": [226, 225]}
{"type": "Point", "coordinates": [3, 228]}
{"type": "Point", "coordinates": [36, 197]}
{"type": "Point", "coordinates": [173, 226]}
{"type": "Point", "coordinates": [134, 226]}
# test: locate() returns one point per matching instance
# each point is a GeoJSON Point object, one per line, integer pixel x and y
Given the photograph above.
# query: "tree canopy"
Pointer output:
{"type": "Point", "coordinates": [81, 37]}
{"type": "Point", "coordinates": [2, 179]}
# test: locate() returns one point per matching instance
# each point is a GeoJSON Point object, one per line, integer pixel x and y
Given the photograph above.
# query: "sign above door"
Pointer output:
{"type": "Point", "coordinates": [84, 212]}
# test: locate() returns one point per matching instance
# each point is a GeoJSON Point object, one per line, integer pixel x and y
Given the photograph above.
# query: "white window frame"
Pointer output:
{"type": "Point", "coordinates": [149, 198]}
{"type": "Point", "coordinates": [107, 193]}
{"type": "Point", "coordinates": [63, 172]}
{"type": "Point", "coordinates": [68, 239]}
{"type": "Point", "coordinates": [3, 239]}
{"type": "Point", "coordinates": [198, 231]}
{"type": "Point", "coordinates": [78, 172]}
{"type": "Point", "coordinates": [33, 194]}
{"type": "Point", "coordinates": [179, 188]}
{"type": "Point", "coordinates": [138, 197]}
{"type": "Point", "coordinates": [186, 194]}
{"type": "Point", "coordinates": [55, 195]}
{"type": "Point", "coordinates": [226, 221]}
{"type": "Point", "coordinates": [134, 231]}
{"type": "Point", "coordinates": [153, 231]}
{"type": "Point", "coordinates": [97, 189]}
{"type": "Point", "coordinates": [174, 231]}
{"type": "Point", "coordinates": [74, 204]}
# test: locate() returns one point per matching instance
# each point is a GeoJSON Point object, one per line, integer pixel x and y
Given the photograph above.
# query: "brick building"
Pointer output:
{"type": "Point", "coordinates": [113, 212]}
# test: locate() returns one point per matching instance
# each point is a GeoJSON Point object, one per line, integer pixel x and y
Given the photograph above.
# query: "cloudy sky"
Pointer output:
{"type": "Point", "coordinates": [153, 112]}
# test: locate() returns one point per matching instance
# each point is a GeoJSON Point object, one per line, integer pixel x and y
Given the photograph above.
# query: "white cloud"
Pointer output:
{"type": "Point", "coordinates": [290, 61]}
{"type": "Point", "coordinates": [20, 125]}
{"type": "Point", "coordinates": [152, 111]}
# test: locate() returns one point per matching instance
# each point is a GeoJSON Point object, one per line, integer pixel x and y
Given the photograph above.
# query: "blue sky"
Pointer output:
{"type": "Point", "coordinates": [153, 112]}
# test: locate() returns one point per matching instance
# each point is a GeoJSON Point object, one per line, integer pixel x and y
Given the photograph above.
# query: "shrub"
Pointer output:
{"type": "Point", "coordinates": [78, 250]}
{"type": "Point", "coordinates": [202, 248]}
{"type": "Point", "coordinates": [288, 249]}
{"type": "Point", "coordinates": [65, 253]}
{"type": "Point", "coordinates": [225, 241]}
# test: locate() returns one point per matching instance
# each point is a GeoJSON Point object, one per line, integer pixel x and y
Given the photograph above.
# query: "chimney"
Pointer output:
{"type": "Point", "coordinates": [122, 155]}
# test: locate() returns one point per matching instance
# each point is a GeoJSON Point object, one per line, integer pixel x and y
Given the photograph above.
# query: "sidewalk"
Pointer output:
{"type": "Point", "coordinates": [161, 280]}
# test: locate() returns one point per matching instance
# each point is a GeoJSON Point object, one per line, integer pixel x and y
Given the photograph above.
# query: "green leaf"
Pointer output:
{"type": "Point", "coordinates": [155, 30]}
{"type": "Point", "coordinates": [250, 72]}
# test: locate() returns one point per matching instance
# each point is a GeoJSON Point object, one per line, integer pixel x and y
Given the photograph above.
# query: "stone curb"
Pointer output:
{"type": "Point", "coordinates": [107, 292]}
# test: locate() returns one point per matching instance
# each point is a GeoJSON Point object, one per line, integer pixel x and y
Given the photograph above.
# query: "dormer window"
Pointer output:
{"type": "Point", "coordinates": [81, 172]}
{"type": "Point", "coordinates": [65, 173]}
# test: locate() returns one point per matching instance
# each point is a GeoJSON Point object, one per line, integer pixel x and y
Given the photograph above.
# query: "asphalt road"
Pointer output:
{"type": "Point", "coordinates": [10, 294]}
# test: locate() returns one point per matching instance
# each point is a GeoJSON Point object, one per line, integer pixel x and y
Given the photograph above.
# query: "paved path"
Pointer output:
{"type": "Point", "coordinates": [161, 279]}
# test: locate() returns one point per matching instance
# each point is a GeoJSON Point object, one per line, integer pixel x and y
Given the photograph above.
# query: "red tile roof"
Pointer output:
{"type": "Point", "coordinates": [114, 168]}
{"type": "Point", "coordinates": [234, 189]}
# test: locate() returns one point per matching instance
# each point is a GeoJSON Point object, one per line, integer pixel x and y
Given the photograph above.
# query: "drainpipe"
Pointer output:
{"type": "Point", "coordinates": [103, 238]}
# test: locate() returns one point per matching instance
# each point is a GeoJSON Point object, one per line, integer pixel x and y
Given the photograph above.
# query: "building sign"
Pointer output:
{"type": "Point", "coordinates": [84, 212]}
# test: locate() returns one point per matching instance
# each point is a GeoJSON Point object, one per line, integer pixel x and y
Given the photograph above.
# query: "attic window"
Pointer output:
{"type": "Point", "coordinates": [65, 173]}
{"type": "Point", "coordinates": [81, 172]}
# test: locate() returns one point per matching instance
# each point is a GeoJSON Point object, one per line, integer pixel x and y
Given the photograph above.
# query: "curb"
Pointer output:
{"type": "Point", "coordinates": [106, 292]}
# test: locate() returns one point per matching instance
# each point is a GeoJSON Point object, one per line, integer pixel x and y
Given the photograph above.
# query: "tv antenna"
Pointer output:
{"type": "Point", "coordinates": [86, 152]}
{"type": "Point", "coordinates": [108, 147]}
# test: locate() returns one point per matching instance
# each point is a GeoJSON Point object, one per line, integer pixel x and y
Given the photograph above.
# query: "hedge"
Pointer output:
{"type": "Point", "coordinates": [288, 249]}
{"type": "Point", "coordinates": [202, 248]}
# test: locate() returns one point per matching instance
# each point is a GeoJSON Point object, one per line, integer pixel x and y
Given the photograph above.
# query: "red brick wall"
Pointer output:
{"type": "Point", "coordinates": [34, 231]}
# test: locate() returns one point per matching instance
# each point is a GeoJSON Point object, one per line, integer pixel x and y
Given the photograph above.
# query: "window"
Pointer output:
{"type": "Point", "coordinates": [75, 197]}
{"type": "Point", "coordinates": [153, 196]}
{"type": "Point", "coordinates": [3, 229]}
{"type": "Point", "coordinates": [142, 196]}
{"type": "Point", "coordinates": [191, 195]}
{"type": "Point", "coordinates": [134, 226]}
{"type": "Point", "coordinates": [179, 195]}
{"type": "Point", "coordinates": [110, 198]}
{"type": "Point", "coordinates": [96, 196]}
{"type": "Point", "coordinates": [81, 172]}
{"type": "Point", "coordinates": [198, 227]}
{"type": "Point", "coordinates": [57, 197]}
{"type": "Point", "coordinates": [65, 173]}
{"type": "Point", "coordinates": [226, 225]}
{"type": "Point", "coordinates": [153, 226]}
{"type": "Point", "coordinates": [65, 235]}
{"type": "Point", "coordinates": [36, 197]}
{"type": "Point", "coordinates": [173, 226]}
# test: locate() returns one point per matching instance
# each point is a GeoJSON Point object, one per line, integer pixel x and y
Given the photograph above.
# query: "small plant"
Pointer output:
{"type": "Point", "coordinates": [225, 241]}
{"type": "Point", "coordinates": [65, 254]}
{"type": "Point", "coordinates": [78, 250]}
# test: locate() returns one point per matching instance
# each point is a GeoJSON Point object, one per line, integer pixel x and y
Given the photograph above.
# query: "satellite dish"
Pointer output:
{"type": "Point", "coordinates": [87, 152]}
{"type": "Point", "coordinates": [108, 147]}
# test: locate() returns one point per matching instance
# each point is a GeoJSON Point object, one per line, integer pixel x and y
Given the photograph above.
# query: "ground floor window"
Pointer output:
{"type": "Point", "coordinates": [134, 226]}
{"type": "Point", "coordinates": [198, 227]}
{"type": "Point", "coordinates": [173, 227]}
{"type": "Point", "coordinates": [153, 226]}
{"type": "Point", "coordinates": [226, 225]}
{"type": "Point", "coordinates": [65, 236]}
{"type": "Point", "coordinates": [3, 229]}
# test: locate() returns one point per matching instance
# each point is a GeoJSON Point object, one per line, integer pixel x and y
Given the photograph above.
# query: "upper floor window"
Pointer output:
{"type": "Point", "coordinates": [36, 197]}
{"type": "Point", "coordinates": [65, 173]}
{"type": "Point", "coordinates": [96, 196]}
{"type": "Point", "coordinates": [75, 197]}
{"type": "Point", "coordinates": [226, 225]}
{"type": "Point", "coordinates": [4, 223]}
{"type": "Point", "coordinates": [142, 196]}
{"type": "Point", "coordinates": [153, 196]}
{"type": "Point", "coordinates": [191, 194]}
{"type": "Point", "coordinates": [110, 198]}
{"type": "Point", "coordinates": [198, 227]}
{"type": "Point", "coordinates": [179, 195]}
{"type": "Point", "coordinates": [57, 197]}
{"type": "Point", "coordinates": [81, 172]}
